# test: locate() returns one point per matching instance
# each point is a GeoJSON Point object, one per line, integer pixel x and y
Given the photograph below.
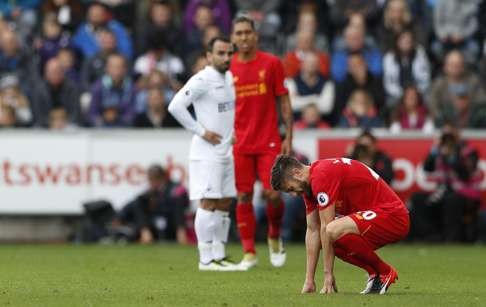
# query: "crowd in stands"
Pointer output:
{"type": "Point", "coordinates": [398, 64]}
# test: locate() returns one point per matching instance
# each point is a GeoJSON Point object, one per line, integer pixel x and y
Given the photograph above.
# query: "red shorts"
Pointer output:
{"type": "Point", "coordinates": [249, 166]}
{"type": "Point", "coordinates": [381, 227]}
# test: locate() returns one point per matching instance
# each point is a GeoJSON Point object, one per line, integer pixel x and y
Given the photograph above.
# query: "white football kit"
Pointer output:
{"type": "Point", "coordinates": [211, 169]}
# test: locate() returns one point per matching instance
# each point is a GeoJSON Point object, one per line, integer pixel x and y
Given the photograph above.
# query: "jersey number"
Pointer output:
{"type": "Point", "coordinates": [373, 173]}
{"type": "Point", "coordinates": [367, 215]}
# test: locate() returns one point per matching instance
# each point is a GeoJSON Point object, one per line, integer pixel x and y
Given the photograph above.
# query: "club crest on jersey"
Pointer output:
{"type": "Point", "coordinates": [322, 199]}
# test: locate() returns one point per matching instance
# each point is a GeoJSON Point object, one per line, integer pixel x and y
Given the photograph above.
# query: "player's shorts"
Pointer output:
{"type": "Point", "coordinates": [381, 227]}
{"type": "Point", "coordinates": [211, 179]}
{"type": "Point", "coordinates": [249, 167]}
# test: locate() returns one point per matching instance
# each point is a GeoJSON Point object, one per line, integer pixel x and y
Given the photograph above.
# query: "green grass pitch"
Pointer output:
{"type": "Point", "coordinates": [166, 275]}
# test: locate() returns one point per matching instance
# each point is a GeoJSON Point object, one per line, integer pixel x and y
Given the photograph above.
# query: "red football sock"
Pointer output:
{"type": "Point", "coordinates": [355, 245]}
{"type": "Point", "coordinates": [245, 218]}
{"type": "Point", "coordinates": [346, 257]}
{"type": "Point", "coordinates": [274, 218]}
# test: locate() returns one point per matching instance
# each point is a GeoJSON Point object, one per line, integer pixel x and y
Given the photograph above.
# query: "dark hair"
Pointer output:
{"type": "Point", "coordinates": [213, 41]}
{"type": "Point", "coordinates": [244, 18]}
{"type": "Point", "coordinates": [156, 171]}
{"type": "Point", "coordinates": [396, 49]}
{"type": "Point", "coordinates": [367, 133]}
{"type": "Point", "coordinates": [281, 168]}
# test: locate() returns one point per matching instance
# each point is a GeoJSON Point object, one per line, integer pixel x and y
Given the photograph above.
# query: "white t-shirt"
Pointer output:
{"type": "Point", "coordinates": [213, 96]}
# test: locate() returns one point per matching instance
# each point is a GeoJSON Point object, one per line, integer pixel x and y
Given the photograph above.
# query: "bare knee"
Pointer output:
{"type": "Point", "coordinates": [272, 197]}
{"type": "Point", "coordinates": [334, 231]}
{"type": "Point", "coordinates": [245, 198]}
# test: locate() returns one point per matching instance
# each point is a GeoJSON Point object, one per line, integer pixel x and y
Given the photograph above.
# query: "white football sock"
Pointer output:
{"type": "Point", "coordinates": [204, 227]}
{"type": "Point", "coordinates": [222, 223]}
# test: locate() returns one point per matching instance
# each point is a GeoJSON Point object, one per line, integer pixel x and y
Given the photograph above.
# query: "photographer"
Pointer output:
{"type": "Point", "coordinates": [158, 213]}
{"type": "Point", "coordinates": [366, 151]}
{"type": "Point", "coordinates": [450, 212]}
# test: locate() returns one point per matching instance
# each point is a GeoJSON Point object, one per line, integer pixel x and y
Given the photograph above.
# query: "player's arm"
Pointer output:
{"type": "Point", "coordinates": [327, 215]}
{"type": "Point", "coordinates": [178, 108]}
{"type": "Point", "coordinates": [312, 247]}
{"type": "Point", "coordinates": [287, 117]}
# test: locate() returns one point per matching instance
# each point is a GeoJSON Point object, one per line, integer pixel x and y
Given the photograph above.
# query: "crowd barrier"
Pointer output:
{"type": "Point", "coordinates": [43, 172]}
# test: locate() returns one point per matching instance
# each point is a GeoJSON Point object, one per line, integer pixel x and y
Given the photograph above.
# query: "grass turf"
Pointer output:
{"type": "Point", "coordinates": [166, 275]}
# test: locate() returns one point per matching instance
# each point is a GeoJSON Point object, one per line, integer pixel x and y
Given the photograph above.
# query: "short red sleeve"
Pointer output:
{"type": "Point", "coordinates": [326, 184]}
{"type": "Point", "coordinates": [279, 77]}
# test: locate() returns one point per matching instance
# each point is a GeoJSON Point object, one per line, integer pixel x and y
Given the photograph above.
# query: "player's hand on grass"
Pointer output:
{"type": "Point", "coordinates": [212, 137]}
{"type": "Point", "coordinates": [309, 287]}
{"type": "Point", "coordinates": [329, 285]}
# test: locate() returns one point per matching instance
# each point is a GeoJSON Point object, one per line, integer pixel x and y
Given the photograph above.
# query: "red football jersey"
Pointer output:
{"type": "Point", "coordinates": [257, 84]}
{"type": "Point", "coordinates": [350, 186]}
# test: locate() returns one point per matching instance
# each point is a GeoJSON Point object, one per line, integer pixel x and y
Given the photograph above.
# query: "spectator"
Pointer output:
{"type": "Point", "coordinates": [202, 20]}
{"type": "Point", "coordinates": [307, 23]}
{"type": "Point", "coordinates": [112, 96]}
{"type": "Point", "coordinates": [17, 60]}
{"type": "Point", "coordinates": [359, 112]}
{"type": "Point", "coordinates": [357, 22]}
{"type": "Point", "coordinates": [162, 20]}
{"type": "Point", "coordinates": [11, 95]}
{"type": "Point", "coordinates": [68, 60]}
{"type": "Point", "coordinates": [365, 149]}
{"type": "Point", "coordinates": [406, 65]}
{"type": "Point", "coordinates": [93, 68]}
{"type": "Point", "coordinates": [218, 9]}
{"type": "Point", "coordinates": [98, 18]}
{"type": "Point", "coordinates": [342, 11]}
{"type": "Point", "coordinates": [7, 116]}
{"type": "Point", "coordinates": [156, 115]}
{"type": "Point", "coordinates": [455, 24]}
{"type": "Point", "coordinates": [209, 33]}
{"type": "Point", "coordinates": [52, 40]}
{"type": "Point", "coordinates": [159, 57]}
{"type": "Point", "coordinates": [159, 212]}
{"type": "Point", "coordinates": [455, 83]}
{"type": "Point", "coordinates": [58, 119]}
{"type": "Point", "coordinates": [449, 213]}
{"type": "Point", "coordinates": [199, 63]}
{"type": "Point", "coordinates": [354, 40]}
{"type": "Point", "coordinates": [159, 80]}
{"type": "Point", "coordinates": [311, 119]}
{"type": "Point", "coordinates": [21, 15]}
{"type": "Point", "coordinates": [397, 18]}
{"type": "Point", "coordinates": [411, 113]}
{"type": "Point", "coordinates": [305, 45]}
{"type": "Point", "coordinates": [358, 76]}
{"type": "Point", "coordinates": [311, 86]}
{"type": "Point", "coordinates": [122, 10]}
{"type": "Point", "coordinates": [68, 13]}
{"type": "Point", "coordinates": [55, 90]}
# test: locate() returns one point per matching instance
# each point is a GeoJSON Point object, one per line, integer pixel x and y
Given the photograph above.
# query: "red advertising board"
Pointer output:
{"type": "Point", "coordinates": [407, 155]}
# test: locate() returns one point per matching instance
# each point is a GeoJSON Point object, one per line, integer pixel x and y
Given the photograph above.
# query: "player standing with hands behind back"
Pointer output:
{"type": "Point", "coordinates": [211, 168]}
{"type": "Point", "coordinates": [259, 84]}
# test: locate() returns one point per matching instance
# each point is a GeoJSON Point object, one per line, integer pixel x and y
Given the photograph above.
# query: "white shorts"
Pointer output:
{"type": "Point", "coordinates": [211, 179]}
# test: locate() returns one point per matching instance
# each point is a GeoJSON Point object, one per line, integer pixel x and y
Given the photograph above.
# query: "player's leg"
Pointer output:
{"type": "Point", "coordinates": [201, 189]}
{"type": "Point", "coordinates": [274, 210]}
{"type": "Point", "coordinates": [363, 232]}
{"type": "Point", "coordinates": [245, 217]}
{"type": "Point", "coordinates": [346, 237]}
{"type": "Point", "coordinates": [222, 218]}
